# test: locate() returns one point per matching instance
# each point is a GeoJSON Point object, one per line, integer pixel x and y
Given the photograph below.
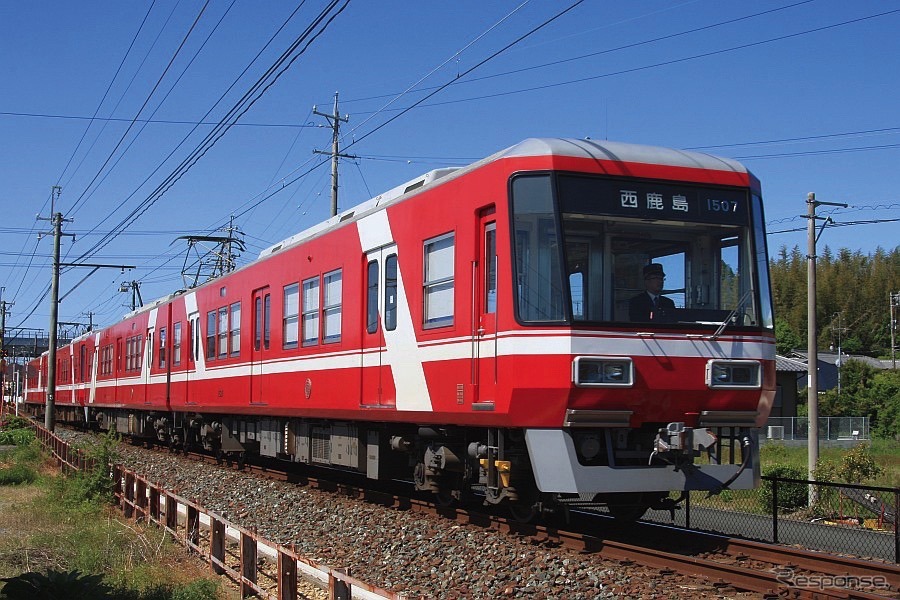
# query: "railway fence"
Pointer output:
{"type": "Point", "coordinates": [850, 519]}
{"type": "Point", "coordinates": [228, 548]}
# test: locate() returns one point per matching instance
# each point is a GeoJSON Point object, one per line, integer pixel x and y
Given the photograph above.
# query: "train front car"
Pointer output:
{"type": "Point", "coordinates": [637, 400]}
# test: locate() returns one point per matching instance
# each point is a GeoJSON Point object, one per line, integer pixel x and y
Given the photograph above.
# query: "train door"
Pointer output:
{"type": "Point", "coordinates": [117, 371]}
{"type": "Point", "coordinates": [484, 335]}
{"type": "Point", "coordinates": [95, 359]}
{"type": "Point", "coordinates": [192, 355]}
{"type": "Point", "coordinates": [377, 385]}
{"type": "Point", "coordinates": [260, 347]}
{"type": "Point", "coordinates": [147, 364]}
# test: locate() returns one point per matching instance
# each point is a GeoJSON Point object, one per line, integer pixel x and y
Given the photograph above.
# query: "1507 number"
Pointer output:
{"type": "Point", "coordinates": [721, 205]}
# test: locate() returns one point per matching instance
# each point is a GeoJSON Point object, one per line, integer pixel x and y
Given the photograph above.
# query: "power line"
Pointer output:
{"type": "Point", "coordinates": [149, 121]}
{"type": "Point", "coordinates": [665, 63]}
{"type": "Point", "coordinates": [143, 106]}
{"type": "Point", "coordinates": [106, 92]}
{"type": "Point", "coordinates": [602, 52]}
{"type": "Point", "coordinates": [243, 105]}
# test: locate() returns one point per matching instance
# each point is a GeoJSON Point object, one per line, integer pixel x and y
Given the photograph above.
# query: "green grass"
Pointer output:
{"type": "Point", "coordinates": [59, 530]}
{"type": "Point", "coordinates": [885, 453]}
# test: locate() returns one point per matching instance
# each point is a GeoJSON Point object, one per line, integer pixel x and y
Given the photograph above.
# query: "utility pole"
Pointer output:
{"type": "Point", "coordinates": [811, 338]}
{"type": "Point", "coordinates": [334, 120]}
{"type": "Point", "coordinates": [56, 219]}
{"type": "Point", "coordinates": [3, 312]}
{"type": "Point", "coordinates": [135, 287]}
{"type": "Point", "coordinates": [230, 259]}
{"type": "Point", "coordinates": [840, 353]}
{"type": "Point", "coordinates": [895, 302]}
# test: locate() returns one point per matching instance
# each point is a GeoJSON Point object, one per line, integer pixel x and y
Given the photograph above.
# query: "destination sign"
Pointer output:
{"type": "Point", "coordinates": [652, 200]}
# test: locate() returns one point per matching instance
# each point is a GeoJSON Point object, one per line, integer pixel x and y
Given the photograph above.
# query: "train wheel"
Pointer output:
{"type": "Point", "coordinates": [627, 507]}
{"type": "Point", "coordinates": [522, 512]}
{"type": "Point", "coordinates": [447, 497]}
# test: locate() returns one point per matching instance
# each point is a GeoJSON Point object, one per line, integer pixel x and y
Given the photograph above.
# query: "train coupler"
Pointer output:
{"type": "Point", "coordinates": [675, 442]}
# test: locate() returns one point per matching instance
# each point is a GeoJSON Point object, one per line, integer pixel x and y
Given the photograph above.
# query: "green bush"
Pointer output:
{"type": "Point", "coordinates": [20, 465]}
{"type": "Point", "coordinates": [72, 585]}
{"type": "Point", "coordinates": [858, 464]}
{"type": "Point", "coordinates": [95, 484]}
{"type": "Point", "coordinates": [17, 474]}
{"type": "Point", "coordinates": [15, 431]}
{"type": "Point", "coordinates": [203, 589]}
{"type": "Point", "coordinates": [791, 496]}
{"type": "Point", "coordinates": [16, 437]}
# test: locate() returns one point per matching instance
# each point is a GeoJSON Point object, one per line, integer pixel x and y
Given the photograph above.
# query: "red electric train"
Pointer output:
{"type": "Point", "coordinates": [471, 330]}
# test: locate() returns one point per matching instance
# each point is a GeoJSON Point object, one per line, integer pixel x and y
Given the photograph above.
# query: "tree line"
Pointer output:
{"type": "Point", "coordinates": [853, 311]}
{"type": "Point", "coordinates": [852, 299]}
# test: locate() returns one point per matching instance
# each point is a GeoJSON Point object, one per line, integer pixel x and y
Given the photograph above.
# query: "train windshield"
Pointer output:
{"type": "Point", "coordinates": [598, 249]}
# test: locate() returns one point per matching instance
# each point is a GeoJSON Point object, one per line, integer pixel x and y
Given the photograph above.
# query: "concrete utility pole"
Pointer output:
{"type": "Point", "coordinates": [3, 312]}
{"type": "Point", "coordinates": [135, 288]}
{"type": "Point", "coordinates": [895, 303]}
{"type": "Point", "coordinates": [56, 219]}
{"type": "Point", "coordinates": [840, 353]}
{"type": "Point", "coordinates": [334, 120]}
{"type": "Point", "coordinates": [811, 338]}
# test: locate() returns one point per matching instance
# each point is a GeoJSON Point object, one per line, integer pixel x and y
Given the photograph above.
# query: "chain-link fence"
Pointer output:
{"type": "Point", "coordinates": [830, 428]}
{"type": "Point", "coordinates": [850, 519]}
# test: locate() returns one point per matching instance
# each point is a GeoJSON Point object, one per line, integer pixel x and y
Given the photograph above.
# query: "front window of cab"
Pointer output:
{"type": "Point", "coordinates": [592, 252]}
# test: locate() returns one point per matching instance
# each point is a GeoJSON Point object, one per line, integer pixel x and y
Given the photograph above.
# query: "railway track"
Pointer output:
{"type": "Point", "coordinates": [730, 565]}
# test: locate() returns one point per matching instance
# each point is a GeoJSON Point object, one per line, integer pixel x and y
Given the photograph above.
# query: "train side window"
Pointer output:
{"type": "Point", "coordinates": [211, 335]}
{"type": "Point", "coordinates": [490, 268]}
{"type": "Point", "coordinates": [267, 321]}
{"type": "Point", "coordinates": [162, 347]}
{"type": "Point", "coordinates": [311, 311]}
{"type": "Point", "coordinates": [372, 297]}
{"type": "Point", "coordinates": [331, 306]}
{"type": "Point", "coordinates": [176, 344]}
{"type": "Point", "coordinates": [198, 337]}
{"type": "Point", "coordinates": [438, 281]}
{"type": "Point", "coordinates": [390, 292]}
{"type": "Point", "coordinates": [291, 312]}
{"type": "Point", "coordinates": [257, 323]}
{"type": "Point", "coordinates": [234, 332]}
{"type": "Point", "coordinates": [223, 332]}
{"type": "Point", "coordinates": [82, 363]}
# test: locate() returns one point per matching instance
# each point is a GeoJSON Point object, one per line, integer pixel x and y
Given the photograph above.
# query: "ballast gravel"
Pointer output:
{"type": "Point", "coordinates": [411, 553]}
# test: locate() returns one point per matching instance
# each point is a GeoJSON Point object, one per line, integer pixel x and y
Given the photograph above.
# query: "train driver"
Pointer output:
{"type": "Point", "coordinates": [651, 305]}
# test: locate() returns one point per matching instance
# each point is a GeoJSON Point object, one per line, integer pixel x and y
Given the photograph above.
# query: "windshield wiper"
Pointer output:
{"type": "Point", "coordinates": [740, 305]}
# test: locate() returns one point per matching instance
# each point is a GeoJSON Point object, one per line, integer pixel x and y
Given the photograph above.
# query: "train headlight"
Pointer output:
{"type": "Point", "coordinates": [734, 374]}
{"type": "Point", "coordinates": [589, 371]}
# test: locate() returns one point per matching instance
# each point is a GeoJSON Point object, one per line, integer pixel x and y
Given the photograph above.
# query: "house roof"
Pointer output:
{"type": "Point", "coordinates": [789, 365]}
{"type": "Point", "coordinates": [831, 358]}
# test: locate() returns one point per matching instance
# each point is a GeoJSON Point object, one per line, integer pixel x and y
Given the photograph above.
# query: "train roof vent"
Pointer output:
{"type": "Point", "coordinates": [417, 184]}
{"type": "Point", "coordinates": [359, 209]}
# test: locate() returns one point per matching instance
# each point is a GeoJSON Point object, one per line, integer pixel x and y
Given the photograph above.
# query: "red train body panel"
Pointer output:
{"type": "Point", "coordinates": [489, 298]}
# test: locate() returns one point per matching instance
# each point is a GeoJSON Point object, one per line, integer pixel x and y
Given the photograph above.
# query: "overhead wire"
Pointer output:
{"type": "Point", "coordinates": [411, 107]}
{"type": "Point", "coordinates": [162, 101]}
{"type": "Point", "coordinates": [309, 35]}
{"type": "Point", "coordinates": [159, 80]}
{"type": "Point", "coordinates": [659, 64]}
{"type": "Point", "coordinates": [244, 104]}
{"type": "Point", "coordinates": [115, 76]}
{"type": "Point", "coordinates": [629, 46]}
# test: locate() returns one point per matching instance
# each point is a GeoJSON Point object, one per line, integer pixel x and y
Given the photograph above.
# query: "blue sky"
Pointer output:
{"type": "Point", "coordinates": [802, 92]}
